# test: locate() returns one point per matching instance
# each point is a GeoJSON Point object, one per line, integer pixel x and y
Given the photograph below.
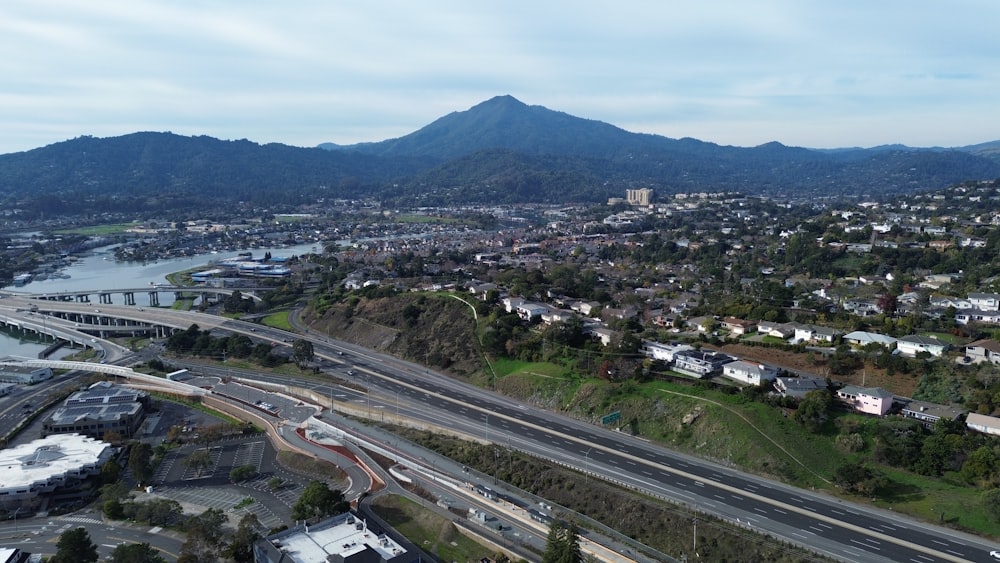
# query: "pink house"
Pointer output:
{"type": "Point", "coordinates": [873, 400]}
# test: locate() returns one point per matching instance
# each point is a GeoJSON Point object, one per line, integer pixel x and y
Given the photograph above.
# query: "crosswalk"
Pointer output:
{"type": "Point", "coordinates": [80, 519]}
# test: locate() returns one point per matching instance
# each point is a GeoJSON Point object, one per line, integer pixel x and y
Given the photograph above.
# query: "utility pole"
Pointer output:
{"type": "Point", "coordinates": [694, 538]}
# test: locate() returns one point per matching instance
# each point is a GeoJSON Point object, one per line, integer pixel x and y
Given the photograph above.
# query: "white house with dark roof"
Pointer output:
{"type": "Point", "coordinates": [966, 316]}
{"type": "Point", "coordinates": [985, 301]}
{"type": "Point", "coordinates": [663, 352]}
{"type": "Point", "coordinates": [929, 413]}
{"type": "Point", "coordinates": [701, 363]}
{"type": "Point", "coordinates": [798, 387]}
{"type": "Point", "coordinates": [811, 333]}
{"type": "Point", "coordinates": [914, 344]}
{"type": "Point", "coordinates": [777, 330]}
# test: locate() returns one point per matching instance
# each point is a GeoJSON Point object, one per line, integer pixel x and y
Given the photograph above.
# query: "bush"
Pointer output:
{"type": "Point", "coordinates": [243, 473]}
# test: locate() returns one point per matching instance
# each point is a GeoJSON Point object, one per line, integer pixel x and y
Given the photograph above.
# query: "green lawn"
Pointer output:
{"type": "Point", "coordinates": [505, 367]}
{"type": "Point", "coordinates": [278, 320]}
{"type": "Point", "coordinates": [431, 532]}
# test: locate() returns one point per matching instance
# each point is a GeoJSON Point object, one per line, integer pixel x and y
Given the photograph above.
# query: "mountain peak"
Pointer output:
{"type": "Point", "coordinates": [505, 100]}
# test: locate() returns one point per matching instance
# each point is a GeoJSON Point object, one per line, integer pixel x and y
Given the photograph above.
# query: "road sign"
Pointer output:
{"type": "Point", "coordinates": [611, 417]}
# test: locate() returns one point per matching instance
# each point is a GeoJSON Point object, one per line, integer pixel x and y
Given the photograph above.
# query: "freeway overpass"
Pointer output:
{"type": "Point", "coordinates": [143, 380]}
{"type": "Point", "coordinates": [104, 296]}
{"type": "Point", "coordinates": [834, 527]}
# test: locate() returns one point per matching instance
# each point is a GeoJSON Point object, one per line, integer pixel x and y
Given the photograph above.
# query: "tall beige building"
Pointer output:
{"type": "Point", "coordinates": [642, 196]}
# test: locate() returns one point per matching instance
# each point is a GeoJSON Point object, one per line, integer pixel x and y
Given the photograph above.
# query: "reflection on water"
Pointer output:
{"type": "Point", "coordinates": [14, 342]}
{"type": "Point", "coordinates": [99, 270]}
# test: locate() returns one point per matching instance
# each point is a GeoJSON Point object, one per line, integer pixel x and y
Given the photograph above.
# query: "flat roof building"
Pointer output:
{"type": "Point", "coordinates": [24, 375]}
{"type": "Point", "coordinates": [102, 408]}
{"type": "Point", "coordinates": [345, 538]}
{"type": "Point", "coordinates": [44, 465]}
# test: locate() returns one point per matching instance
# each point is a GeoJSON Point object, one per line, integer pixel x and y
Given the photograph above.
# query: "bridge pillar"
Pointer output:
{"type": "Point", "coordinates": [154, 299]}
{"type": "Point", "coordinates": [129, 298]}
{"type": "Point", "coordinates": [105, 298]}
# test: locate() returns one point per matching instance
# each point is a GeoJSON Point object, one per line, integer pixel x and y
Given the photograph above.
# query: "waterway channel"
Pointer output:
{"type": "Point", "coordinates": [99, 270]}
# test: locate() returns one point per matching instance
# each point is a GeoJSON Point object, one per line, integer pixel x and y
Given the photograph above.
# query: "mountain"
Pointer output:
{"type": "Point", "coordinates": [500, 150]}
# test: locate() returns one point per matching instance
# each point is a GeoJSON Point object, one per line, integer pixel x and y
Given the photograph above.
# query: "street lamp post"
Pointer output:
{"type": "Point", "coordinates": [15, 518]}
{"type": "Point", "coordinates": [586, 465]}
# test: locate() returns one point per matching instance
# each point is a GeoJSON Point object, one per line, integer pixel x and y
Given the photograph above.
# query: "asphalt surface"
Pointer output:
{"type": "Point", "coordinates": [836, 528]}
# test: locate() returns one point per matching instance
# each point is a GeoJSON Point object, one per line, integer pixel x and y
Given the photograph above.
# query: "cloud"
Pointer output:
{"type": "Point", "coordinates": [307, 72]}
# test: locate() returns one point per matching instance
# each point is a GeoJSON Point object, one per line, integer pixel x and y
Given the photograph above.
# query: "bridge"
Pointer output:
{"type": "Point", "coordinates": [104, 296]}
{"type": "Point", "coordinates": [140, 380]}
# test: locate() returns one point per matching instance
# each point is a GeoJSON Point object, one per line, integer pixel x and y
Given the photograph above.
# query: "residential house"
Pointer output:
{"type": "Point", "coordinates": [944, 302]}
{"type": "Point", "coordinates": [862, 307]}
{"type": "Point", "coordinates": [530, 311]}
{"type": "Point", "coordinates": [860, 339]}
{"type": "Point", "coordinates": [985, 350]}
{"type": "Point", "coordinates": [738, 327]}
{"type": "Point", "coordinates": [777, 330]}
{"type": "Point", "coordinates": [966, 316]}
{"type": "Point", "coordinates": [985, 301]}
{"type": "Point", "coordinates": [751, 373]}
{"type": "Point", "coordinates": [586, 308]}
{"type": "Point", "coordinates": [810, 333]}
{"type": "Point", "coordinates": [868, 400]}
{"type": "Point", "coordinates": [701, 363]}
{"type": "Point", "coordinates": [983, 423]}
{"type": "Point", "coordinates": [929, 413]}
{"type": "Point", "coordinates": [552, 316]}
{"type": "Point", "coordinates": [798, 387]}
{"type": "Point", "coordinates": [912, 345]}
{"type": "Point", "coordinates": [663, 352]}
{"type": "Point", "coordinates": [600, 333]}
{"type": "Point", "coordinates": [482, 291]}
{"type": "Point", "coordinates": [510, 304]}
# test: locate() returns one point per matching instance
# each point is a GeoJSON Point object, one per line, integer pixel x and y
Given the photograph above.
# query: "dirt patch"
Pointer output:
{"type": "Point", "coordinates": [898, 384]}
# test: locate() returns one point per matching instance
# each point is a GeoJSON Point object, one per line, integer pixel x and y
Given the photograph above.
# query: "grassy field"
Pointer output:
{"type": "Point", "coordinates": [431, 532]}
{"type": "Point", "coordinates": [278, 320]}
{"type": "Point", "coordinates": [733, 430]}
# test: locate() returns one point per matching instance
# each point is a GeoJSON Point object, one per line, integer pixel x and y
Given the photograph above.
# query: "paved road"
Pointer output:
{"type": "Point", "coordinates": [39, 535]}
{"type": "Point", "coordinates": [839, 529]}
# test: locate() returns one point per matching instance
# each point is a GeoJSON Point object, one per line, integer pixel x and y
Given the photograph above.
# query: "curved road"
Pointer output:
{"type": "Point", "coordinates": [836, 528]}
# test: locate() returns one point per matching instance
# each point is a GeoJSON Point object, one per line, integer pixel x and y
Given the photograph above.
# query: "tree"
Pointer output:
{"type": "Point", "coordinates": [562, 544]}
{"type": "Point", "coordinates": [858, 478]}
{"type": "Point", "coordinates": [242, 473]}
{"type": "Point", "coordinates": [814, 410]}
{"type": "Point", "coordinates": [110, 472]}
{"type": "Point", "coordinates": [318, 500]}
{"type": "Point", "coordinates": [136, 553]}
{"type": "Point", "coordinates": [302, 351]}
{"type": "Point", "coordinates": [74, 546]}
{"type": "Point", "coordinates": [204, 537]}
{"type": "Point", "coordinates": [241, 548]}
{"type": "Point", "coordinates": [198, 460]}
{"type": "Point", "coordinates": [887, 303]}
{"type": "Point", "coordinates": [140, 462]}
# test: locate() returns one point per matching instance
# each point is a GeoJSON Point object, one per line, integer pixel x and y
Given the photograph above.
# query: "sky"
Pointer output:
{"type": "Point", "coordinates": [812, 73]}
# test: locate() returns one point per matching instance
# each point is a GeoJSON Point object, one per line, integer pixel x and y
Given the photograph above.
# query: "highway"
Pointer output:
{"type": "Point", "coordinates": [830, 526]}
